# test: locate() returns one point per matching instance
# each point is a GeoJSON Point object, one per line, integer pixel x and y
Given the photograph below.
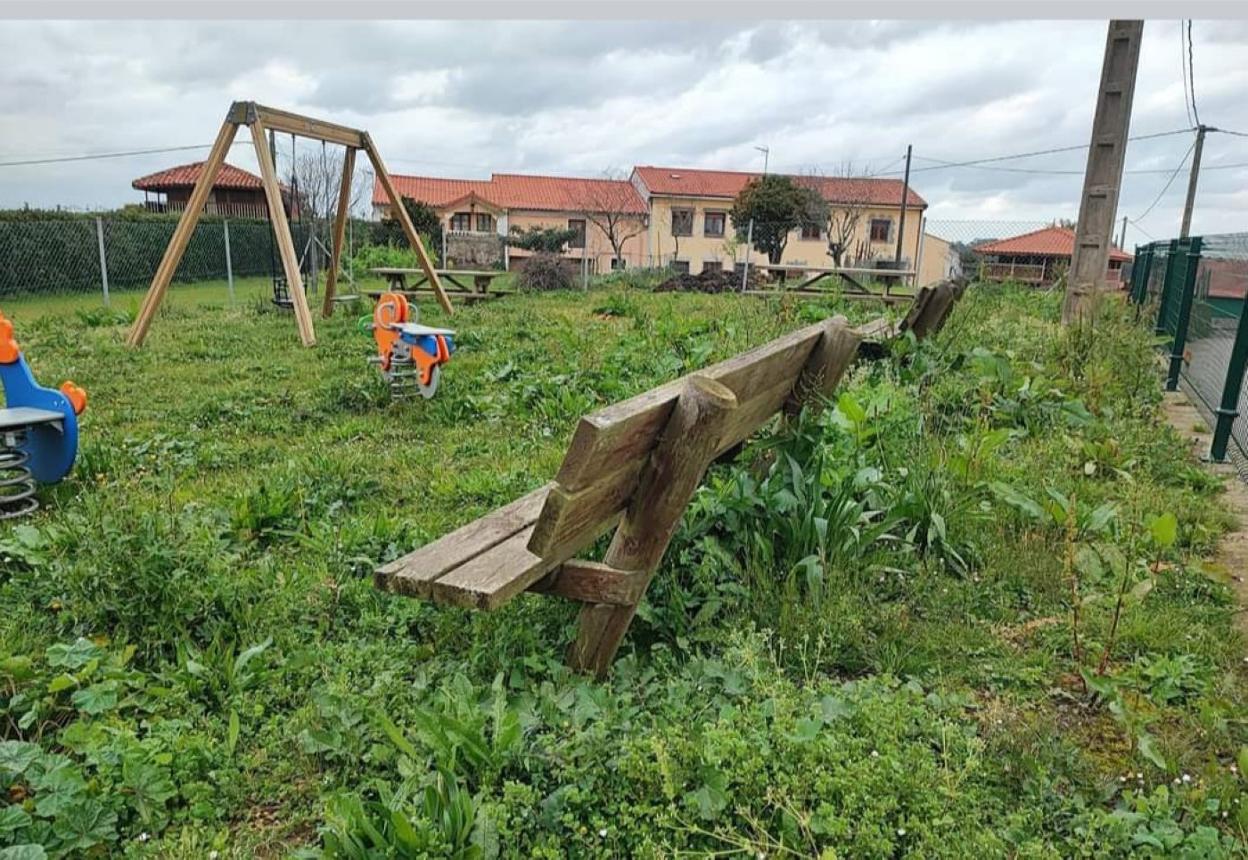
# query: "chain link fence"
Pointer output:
{"type": "Point", "coordinates": [1197, 288]}
{"type": "Point", "coordinates": [99, 255]}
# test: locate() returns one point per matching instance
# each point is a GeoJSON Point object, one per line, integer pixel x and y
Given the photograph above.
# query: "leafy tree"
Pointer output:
{"type": "Point", "coordinates": [777, 205]}
{"type": "Point", "coordinates": [549, 240]}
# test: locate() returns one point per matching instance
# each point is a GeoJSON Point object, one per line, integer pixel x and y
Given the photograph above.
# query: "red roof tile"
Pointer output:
{"type": "Point", "coordinates": [728, 183]}
{"type": "Point", "coordinates": [519, 191]}
{"type": "Point", "coordinates": [186, 175]}
{"type": "Point", "coordinates": [433, 190]}
{"type": "Point", "coordinates": [1046, 242]}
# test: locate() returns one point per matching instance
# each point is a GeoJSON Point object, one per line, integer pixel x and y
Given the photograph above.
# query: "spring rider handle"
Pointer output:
{"type": "Point", "coordinates": [51, 446]}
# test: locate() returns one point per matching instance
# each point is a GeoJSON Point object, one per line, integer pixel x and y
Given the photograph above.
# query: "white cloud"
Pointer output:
{"type": "Point", "coordinates": [465, 98]}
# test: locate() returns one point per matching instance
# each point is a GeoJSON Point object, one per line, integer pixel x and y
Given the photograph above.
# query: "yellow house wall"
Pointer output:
{"type": "Point", "coordinates": [699, 248]}
{"type": "Point", "coordinates": [934, 266]}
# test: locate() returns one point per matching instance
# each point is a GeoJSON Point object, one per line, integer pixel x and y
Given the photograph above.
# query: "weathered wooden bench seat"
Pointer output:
{"type": "Point", "coordinates": [633, 466]}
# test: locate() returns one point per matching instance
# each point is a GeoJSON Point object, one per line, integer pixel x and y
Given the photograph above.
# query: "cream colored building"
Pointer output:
{"type": "Point", "coordinates": [691, 229]}
{"type": "Point", "coordinates": [938, 261]}
{"type": "Point", "coordinates": [671, 216]}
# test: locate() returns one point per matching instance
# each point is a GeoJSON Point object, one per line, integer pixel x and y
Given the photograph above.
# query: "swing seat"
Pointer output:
{"type": "Point", "coordinates": [281, 294]}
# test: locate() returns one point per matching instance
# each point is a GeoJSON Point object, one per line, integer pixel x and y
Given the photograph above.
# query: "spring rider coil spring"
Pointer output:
{"type": "Point", "coordinates": [38, 429]}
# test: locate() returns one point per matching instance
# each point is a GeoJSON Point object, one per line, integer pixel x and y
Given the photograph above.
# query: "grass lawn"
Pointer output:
{"type": "Point", "coordinates": [866, 649]}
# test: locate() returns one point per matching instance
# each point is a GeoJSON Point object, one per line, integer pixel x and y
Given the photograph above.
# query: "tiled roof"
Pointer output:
{"type": "Point", "coordinates": [519, 191]}
{"type": "Point", "coordinates": [433, 190]}
{"type": "Point", "coordinates": [728, 183]}
{"type": "Point", "coordinates": [1046, 242]}
{"type": "Point", "coordinates": [185, 176]}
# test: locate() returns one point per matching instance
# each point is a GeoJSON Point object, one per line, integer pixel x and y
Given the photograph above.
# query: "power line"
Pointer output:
{"type": "Point", "coordinates": [1191, 71]}
{"type": "Point", "coordinates": [1183, 70]}
{"type": "Point", "coordinates": [1147, 235]}
{"type": "Point", "coordinates": [1053, 172]}
{"type": "Point", "coordinates": [1037, 152]}
{"type": "Point", "coordinates": [102, 155]}
{"type": "Point", "coordinates": [1166, 188]}
{"type": "Point", "coordinates": [1228, 131]}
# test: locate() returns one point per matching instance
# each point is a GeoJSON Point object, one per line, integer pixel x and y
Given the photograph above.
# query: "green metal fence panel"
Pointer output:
{"type": "Point", "coordinates": [1170, 298]}
{"type": "Point", "coordinates": [1216, 350]}
{"type": "Point", "coordinates": [1184, 293]}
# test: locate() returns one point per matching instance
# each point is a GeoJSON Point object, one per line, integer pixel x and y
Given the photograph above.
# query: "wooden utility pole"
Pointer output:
{"type": "Point", "coordinates": [1191, 182]}
{"type": "Point", "coordinates": [901, 222]}
{"type": "Point", "coordinates": [1102, 178]}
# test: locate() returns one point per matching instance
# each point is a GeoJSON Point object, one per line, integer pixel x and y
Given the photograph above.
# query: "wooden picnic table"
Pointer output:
{"type": "Point", "coordinates": [849, 275]}
{"type": "Point", "coordinates": [482, 279]}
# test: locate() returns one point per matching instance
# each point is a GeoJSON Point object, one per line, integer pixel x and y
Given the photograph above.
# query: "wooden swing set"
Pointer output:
{"type": "Point", "coordinates": [260, 119]}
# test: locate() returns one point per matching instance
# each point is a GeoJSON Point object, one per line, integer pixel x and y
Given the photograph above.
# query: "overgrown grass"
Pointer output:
{"type": "Point", "coordinates": [860, 644]}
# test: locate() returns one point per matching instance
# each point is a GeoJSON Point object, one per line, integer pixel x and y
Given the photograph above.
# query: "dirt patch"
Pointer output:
{"type": "Point", "coordinates": [1232, 554]}
{"type": "Point", "coordinates": [710, 281]}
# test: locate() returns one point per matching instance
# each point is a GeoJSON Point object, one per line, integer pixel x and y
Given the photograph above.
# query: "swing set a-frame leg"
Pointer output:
{"type": "Point", "coordinates": [340, 226]}
{"type": "Point", "coordinates": [281, 230]}
{"type": "Point", "coordinates": [182, 234]}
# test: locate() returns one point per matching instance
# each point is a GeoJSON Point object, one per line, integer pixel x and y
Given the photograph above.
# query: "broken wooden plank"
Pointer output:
{"type": "Point", "coordinates": [494, 577]}
{"type": "Point", "coordinates": [413, 573]}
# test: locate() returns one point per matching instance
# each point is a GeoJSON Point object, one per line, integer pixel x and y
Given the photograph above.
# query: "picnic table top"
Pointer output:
{"type": "Point", "coordinates": [476, 273]}
{"type": "Point", "coordinates": [832, 270]}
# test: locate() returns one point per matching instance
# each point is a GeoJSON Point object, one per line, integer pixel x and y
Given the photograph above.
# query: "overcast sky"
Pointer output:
{"type": "Point", "coordinates": [467, 98]}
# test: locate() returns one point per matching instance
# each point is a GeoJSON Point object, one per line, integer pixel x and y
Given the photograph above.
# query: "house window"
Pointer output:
{"type": "Point", "coordinates": [881, 228]}
{"type": "Point", "coordinates": [713, 224]}
{"type": "Point", "coordinates": [738, 269]}
{"type": "Point", "coordinates": [618, 264]}
{"type": "Point", "coordinates": [485, 222]}
{"type": "Point", "coordinates": [461, 221]}
{"type": "Point", "coordinates": [680, 266]}
{"type": "Point", "coordinates": [812, 230]}
{"type": "Point", "coordinates": [577, 226]}
{"type": "Point", "coordinates": [682, 222]}
{"type": "Point", "coordinates": [712, 266]}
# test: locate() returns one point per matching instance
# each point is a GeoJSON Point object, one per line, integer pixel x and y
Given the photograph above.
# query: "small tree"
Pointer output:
{"type": "Point", "coordinates": [424, 218]}
{"type": "Point", "coordinates": [844, 217]}
{"type": "Point", "coordinates": [611, 206]}
{"type": "Point", "coordinates": [777, 205]}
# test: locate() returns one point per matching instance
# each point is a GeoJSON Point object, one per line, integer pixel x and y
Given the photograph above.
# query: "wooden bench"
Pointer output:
{"type": "Point", "coordinates": [632, 466]}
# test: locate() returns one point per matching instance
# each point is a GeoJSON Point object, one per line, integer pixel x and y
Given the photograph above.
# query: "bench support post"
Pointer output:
{"type": "Point", "coordinates": [668, 481]}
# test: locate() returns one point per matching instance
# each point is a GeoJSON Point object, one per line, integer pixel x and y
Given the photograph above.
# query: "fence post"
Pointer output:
{"type": "Point", "coordinates": [229, 264]}
{"type": "Point", "coordinates": [1141, 272]}
{"type": "Point", "coordinates": [1167, 280]}
{"type": "Point", "coordinates": [1228, 410]}
{"type": "Point", "coordinates": [1187, 274]}
{"type": "Point", "coordinates": [99, 237]}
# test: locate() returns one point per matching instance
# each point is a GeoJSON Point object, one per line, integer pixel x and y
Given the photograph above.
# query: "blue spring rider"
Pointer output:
{"type": "Point", "coordinates": [38, 429]}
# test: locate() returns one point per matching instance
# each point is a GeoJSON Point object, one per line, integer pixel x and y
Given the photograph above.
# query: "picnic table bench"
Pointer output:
{"type": "Point", "coordinates": [482, 279]}
{"type": "Point", "coordinates": [634, 466]}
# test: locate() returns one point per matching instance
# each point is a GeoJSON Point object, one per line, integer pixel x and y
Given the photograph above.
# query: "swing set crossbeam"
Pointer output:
{"type": "Point", "coordinates": [259, 120]}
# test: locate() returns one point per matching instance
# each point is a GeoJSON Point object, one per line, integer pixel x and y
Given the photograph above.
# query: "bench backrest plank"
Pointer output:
{"type": "Point", "coordinates": [600, 472]}
{"type": "Point", "coordinates": [626, 430]}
